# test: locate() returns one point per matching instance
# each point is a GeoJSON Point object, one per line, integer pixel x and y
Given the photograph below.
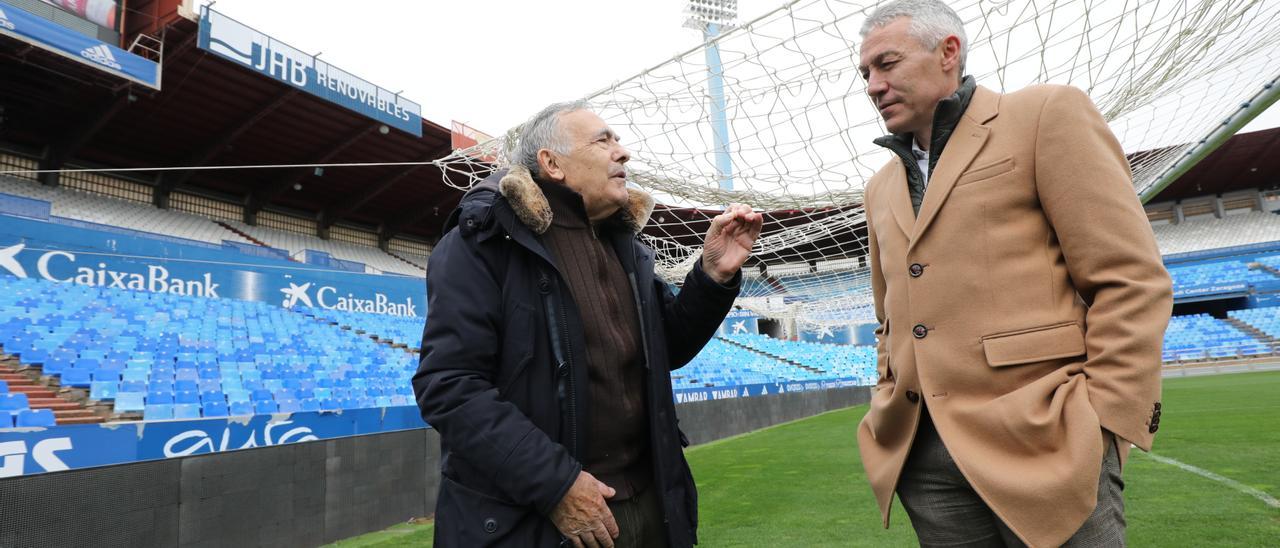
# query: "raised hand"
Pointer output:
{"type": "Point", "coordinates": [729, 240]}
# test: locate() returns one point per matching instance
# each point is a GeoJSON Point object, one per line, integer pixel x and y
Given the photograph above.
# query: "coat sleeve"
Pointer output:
{"type": "Point", "coordinates": [691, 318]}
{"type": "Point", "coordinates": [455, 388]}
{"type": "Point", "coordinates": [1087, 193]}
{"type": "Point", "coordinates": [877, 294]}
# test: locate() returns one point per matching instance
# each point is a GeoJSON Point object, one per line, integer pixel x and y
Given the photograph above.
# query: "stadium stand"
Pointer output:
{"type": "Point", "coordinates": [1232, 271]}
{"type": "Point", "coordinates": [298, 244]}
{"type": "Point", "coordinates": [1204, 234]}
{"type": "Point", "coordinates": [1201, 337]}
{"type": "Point", "coordinates": [107, 212]}
{"type": "Point", "coordinates": [169, 356]}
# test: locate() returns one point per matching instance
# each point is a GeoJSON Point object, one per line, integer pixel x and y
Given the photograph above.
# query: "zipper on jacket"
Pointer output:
{"type": "Point", "coordinates": [565, 386]}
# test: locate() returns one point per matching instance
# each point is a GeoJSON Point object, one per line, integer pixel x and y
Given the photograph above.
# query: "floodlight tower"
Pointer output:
{"type": "Point", "coordinates": [712, 17]}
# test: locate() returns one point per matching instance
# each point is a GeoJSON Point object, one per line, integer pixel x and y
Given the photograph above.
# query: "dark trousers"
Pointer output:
{"type": "Point", "coordinates": [640, 520]}
{"type": "Point", "coordinates": [946, 511]}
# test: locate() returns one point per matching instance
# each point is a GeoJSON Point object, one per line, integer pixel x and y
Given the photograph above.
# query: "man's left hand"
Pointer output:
{"type": "Point", "coordinates": [729, 241]}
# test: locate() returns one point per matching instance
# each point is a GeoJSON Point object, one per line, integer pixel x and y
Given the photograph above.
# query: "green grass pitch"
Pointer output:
{"type": "Point", "coordinates": [801, 484]}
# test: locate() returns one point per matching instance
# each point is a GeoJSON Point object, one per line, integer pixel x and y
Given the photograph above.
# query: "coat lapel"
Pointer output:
{"type": "Point", "coordinates": [900, 199]}
{"type": "Point", "coordinates": [965, 143]}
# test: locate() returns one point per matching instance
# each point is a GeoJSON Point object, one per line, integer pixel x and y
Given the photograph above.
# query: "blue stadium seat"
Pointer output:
{"type": "Point", "coordinates": [186, 411]}
{"type": "Point", "coordinates": [289, 406]}
{"type": "Point", "coordinates": [4, 387]}
{"type": "Point", "coordinates": [6, 420]}
{"type": "Point", "coordinates": [159, 398]}
{"type": "Point", "coordinates": [240, 408]}
{"type": "Point", "coordinates": [310, 404]}
{"type": "Point", "coordinates": [158, 412]}
{"type": "Point", "coordinates": [261, 394]}
{"type": "Point", "coordinates": [13, 402]}
{"type": "Point", "coordinates": [329, 404]}
{"type": "Point", "coordinates": [265, 407]}
{"type": "Point", "coordinates": [76, 378]}
{"type": "Point", "coordinates": [55, 366]}
{"type": "Point", "coordinates": [186, 396]}
{"type": "Point", "coordinates": [129, 402]}
{"type": "Point", "coordinates": [103, 390]}
{"type": "Point", "coordinates": [35, 418]}
{"type": "Point", "coordinates": [215, 409]}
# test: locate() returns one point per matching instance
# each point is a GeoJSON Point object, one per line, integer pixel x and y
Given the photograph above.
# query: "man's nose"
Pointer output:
{"type": "Point", "coordinates": [621, 155]}
{"type": "Point", "coordinates": [876, 86]}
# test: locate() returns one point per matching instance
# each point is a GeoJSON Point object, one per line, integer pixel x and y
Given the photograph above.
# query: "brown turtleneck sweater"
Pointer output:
{"type": "Point", "coordinates": [618, 451]}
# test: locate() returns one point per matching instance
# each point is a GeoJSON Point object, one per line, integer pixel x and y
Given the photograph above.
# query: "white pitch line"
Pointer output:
{"type": "Point", "coordinates": [1255, 493]}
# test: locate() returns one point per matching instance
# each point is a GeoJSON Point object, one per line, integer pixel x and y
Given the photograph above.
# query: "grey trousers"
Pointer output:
{"type": "Point", "coordinates": [640, 520]}
{"type": "Point", "coordinates": [946, 511]}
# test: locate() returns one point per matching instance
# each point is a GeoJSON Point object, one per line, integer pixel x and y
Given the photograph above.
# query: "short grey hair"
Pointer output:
{"type": "Point", "coordinates": [931, 22]}
{"type": "Point", "coordinates": [544, 131]}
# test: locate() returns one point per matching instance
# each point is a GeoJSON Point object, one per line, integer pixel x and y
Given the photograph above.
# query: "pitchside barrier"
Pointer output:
{"type": "Point", "coordinates": [279, 480]}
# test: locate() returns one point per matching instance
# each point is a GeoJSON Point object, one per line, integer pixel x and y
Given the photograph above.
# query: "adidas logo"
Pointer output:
{"type": "Point", "coordinates": [5, 22]}
{"type": "Point", "coordinates": [101, 54]}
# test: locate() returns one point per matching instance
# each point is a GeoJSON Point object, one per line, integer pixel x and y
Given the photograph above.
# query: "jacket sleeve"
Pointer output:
{"type": "Point", "coordinates": [1087, 193]}
{"type": "Point", "coordinates": [691, 318]}
{"type": "Point", "coordinates": [877, 294]}
{"type": "Point", "coordinates": [455, 388]}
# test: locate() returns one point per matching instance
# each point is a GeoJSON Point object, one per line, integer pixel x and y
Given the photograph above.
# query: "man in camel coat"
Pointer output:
{"type": "Point", "coordinates": [1021, 299]}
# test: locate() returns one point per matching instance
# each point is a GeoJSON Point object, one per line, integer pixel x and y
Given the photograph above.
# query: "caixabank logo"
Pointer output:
{"type": "Point", "coordinates": [64, 267]}
{"type": "Point", "coordinates": [5, 23]}
{"type": "Point", "coordinates": [329, 297]}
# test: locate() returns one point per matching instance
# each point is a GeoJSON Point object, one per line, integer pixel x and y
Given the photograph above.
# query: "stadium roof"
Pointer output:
{"type": "Point", "coordinates": [1246, 160]}
{"type": "Point", "coordinates": [214, 112]}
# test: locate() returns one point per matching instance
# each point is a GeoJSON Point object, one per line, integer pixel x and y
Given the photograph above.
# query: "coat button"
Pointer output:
{"type": "Point", "coordinates": [1154, 426]}
{"type": "Point", "coordinates": [920, 331]}
{"type": "Point", "coordinates": [562, 369]}
{"type": "Point", "coordinates": [490, 525]}
{"type": "Point", "coordinates": [916, 270]}
{"type": "Point", "coordinates": [913, 397]}
{"type": "Point", "coordinates": [544, 286]}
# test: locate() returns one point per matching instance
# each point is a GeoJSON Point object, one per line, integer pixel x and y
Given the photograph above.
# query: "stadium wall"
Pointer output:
{"type": "Point", "coordinates": [299, 494]}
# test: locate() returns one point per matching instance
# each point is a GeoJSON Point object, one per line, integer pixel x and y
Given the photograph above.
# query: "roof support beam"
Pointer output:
{"type": "Point", "coordinates": [67, 145]}
{"type": "Point", "coordinates": [202, 156]}
{"type": "Point", "coordinates": [339, 210]}
{"type": "Point", "coordinates": [259, 199]}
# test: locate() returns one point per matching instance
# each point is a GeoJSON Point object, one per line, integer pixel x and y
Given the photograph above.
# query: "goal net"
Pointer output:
{"type": "Point", "coordinates": [1164, 73]}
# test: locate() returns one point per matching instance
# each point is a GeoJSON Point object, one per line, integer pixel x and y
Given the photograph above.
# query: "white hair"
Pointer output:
{"type": "Point", "coordinates": [544, 131]}
{"type": "Point", "coordinates": [931, 22]}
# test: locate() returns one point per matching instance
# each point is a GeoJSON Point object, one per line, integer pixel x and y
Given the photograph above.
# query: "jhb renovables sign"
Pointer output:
{"type": "Point", "coordinates": [47, 35]}
{"type": "Point", "coordinates": [229, 39]}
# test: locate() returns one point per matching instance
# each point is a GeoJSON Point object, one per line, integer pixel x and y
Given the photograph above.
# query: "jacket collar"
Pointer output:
{"type": "Point", "coordinates": [531, 207]}
{"type": "Point", "coordinates": [945, 117]}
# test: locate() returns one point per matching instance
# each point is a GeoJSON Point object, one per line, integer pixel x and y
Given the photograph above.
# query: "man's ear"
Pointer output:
{"type": "Point", "coordinates": [550, 165]}
{"type": "Point", "coordinates": [950, 48]}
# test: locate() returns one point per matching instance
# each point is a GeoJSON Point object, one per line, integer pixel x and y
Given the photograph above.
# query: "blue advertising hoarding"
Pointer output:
{"type": "Point", "coordinates": [47, 35]}
{"type": "Point", "coordinates": [66, 254]}
{"type": "Point", "coordinates": [234, 41]}
{"type": "Point", "coordinates": [26, 451]}
{"type": "Point", "coordinates": [687, 395]}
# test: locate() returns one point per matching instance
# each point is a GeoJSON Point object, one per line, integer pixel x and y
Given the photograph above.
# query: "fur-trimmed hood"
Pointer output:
{"type": "Point", "coordinates": [532, 208]}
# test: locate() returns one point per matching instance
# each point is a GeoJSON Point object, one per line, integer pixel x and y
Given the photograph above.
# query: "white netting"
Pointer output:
{"type": "Point", "coordinates": [1163, 72]}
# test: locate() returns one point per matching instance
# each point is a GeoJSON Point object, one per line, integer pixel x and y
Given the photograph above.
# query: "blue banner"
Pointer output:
{"type": "Point", "coordinates": [739, 322]}
{"type": "Point", "coordinates": [686, 395]}
{"type": "Point", "coordinates": [827, 334]}
{"type": "Point", "coordinates": [63, 254]}
{"type": "Point", "coordinates": [1212, 289]}
{"type": "Point", "coordinates": [47, 35]}
{"type": "Point", "coordinates": [232, 40]}
{"type": "Point", "coordinates": [26, 451]}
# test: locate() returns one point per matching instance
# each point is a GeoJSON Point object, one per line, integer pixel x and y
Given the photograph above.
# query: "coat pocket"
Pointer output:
{"type": "Point", "coordinates": [986, 171]}
{"type": "Point", "coordinates": [1063, 340]}
{"type": "Point", "coordinates": [466, 517]}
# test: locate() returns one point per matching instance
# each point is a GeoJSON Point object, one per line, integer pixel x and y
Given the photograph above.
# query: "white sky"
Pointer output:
{"type": "Point", "coordinates": [492, 63]}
